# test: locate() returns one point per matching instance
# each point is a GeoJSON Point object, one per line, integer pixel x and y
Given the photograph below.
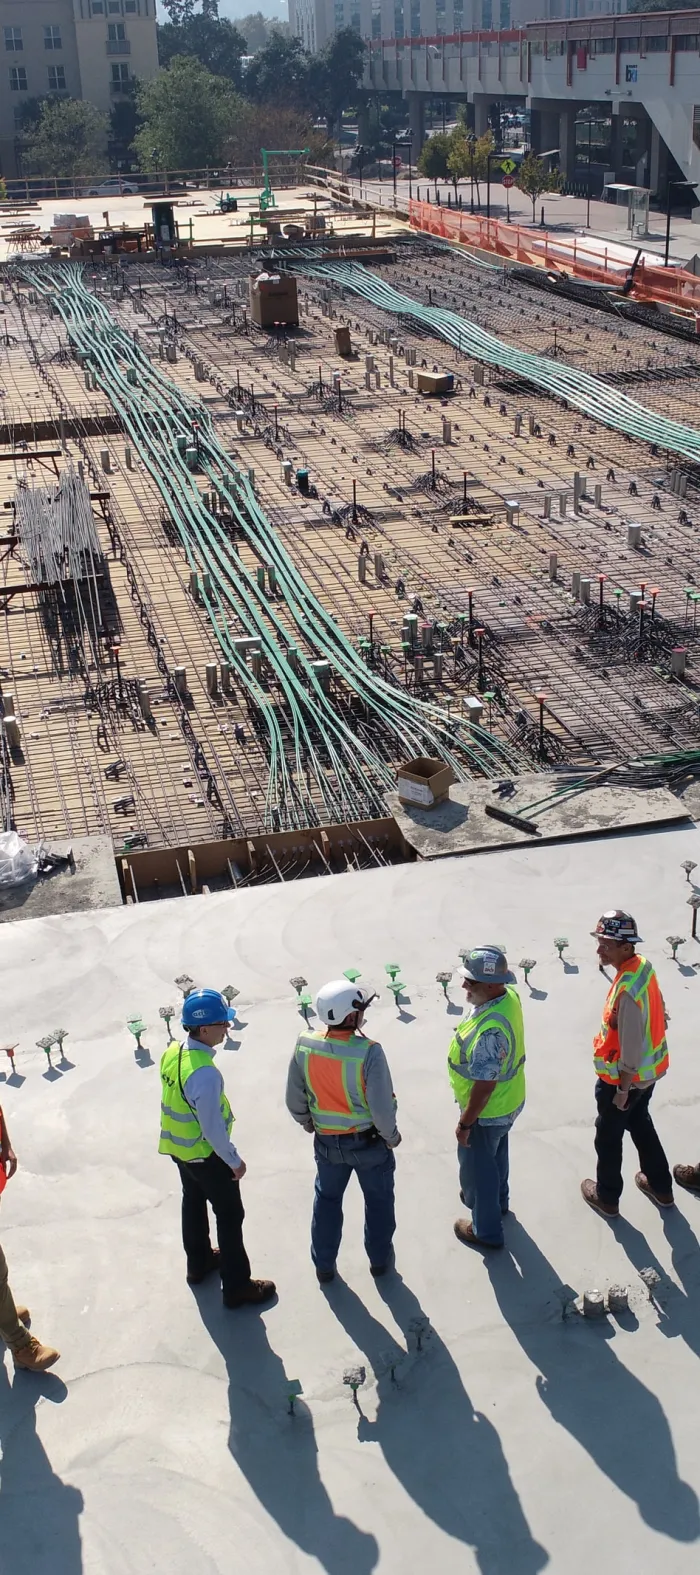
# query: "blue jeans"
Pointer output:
{"type": "Point", "coordinates": [483, 1175]}
{"type": "Point", "coordinates": [337, 1156]}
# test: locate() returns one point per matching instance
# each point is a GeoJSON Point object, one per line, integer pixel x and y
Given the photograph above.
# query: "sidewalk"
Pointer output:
{"type": "Point", "coordinates": [562, 215]}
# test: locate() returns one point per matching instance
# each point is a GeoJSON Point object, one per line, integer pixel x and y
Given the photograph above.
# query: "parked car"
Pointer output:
{"type": "Point", "coordinates": [114, 187]}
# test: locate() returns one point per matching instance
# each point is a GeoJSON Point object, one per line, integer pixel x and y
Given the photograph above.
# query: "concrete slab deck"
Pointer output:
{"type": "Point", "coordinates": [515, 1441]}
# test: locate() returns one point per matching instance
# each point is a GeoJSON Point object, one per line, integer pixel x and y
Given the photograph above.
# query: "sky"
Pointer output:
{"type": "Point", "coordinates": [234, 9]}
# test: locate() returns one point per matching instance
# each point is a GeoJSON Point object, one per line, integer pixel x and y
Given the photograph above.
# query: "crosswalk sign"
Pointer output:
{"type": "Point", "coordinates": [508, 166]}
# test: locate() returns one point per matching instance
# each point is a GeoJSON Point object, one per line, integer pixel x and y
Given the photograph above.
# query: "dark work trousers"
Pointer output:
{"type": "Point", "coordinates": [610, 1128]}
{"type": "Point", "coordinates": [212, 1181]}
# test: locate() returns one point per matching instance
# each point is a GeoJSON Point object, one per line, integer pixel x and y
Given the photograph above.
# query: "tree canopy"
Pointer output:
{"type": "Point", "coordinates": [279, 74]}
{"type": "Point", "coordinates": [188, 116]}
{"type": "Point", "coordinates": [534, 179]}
{"type": "Point", "coordinates": [433, 156]}
{"type": "Point", "coordinates": [69, 138]}
{"type": "Point", "coordinates": [257, 30]}
{"type": "Point", "coordinates": [323, 84]}
{"type": "Point", "coordinates": [215, 42]}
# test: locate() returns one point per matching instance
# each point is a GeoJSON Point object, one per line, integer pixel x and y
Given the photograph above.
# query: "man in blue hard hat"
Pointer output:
{"type": "Point", "coordinates": [196, 1121]}
{"type": "Point", "coordinates": [486, 1064]}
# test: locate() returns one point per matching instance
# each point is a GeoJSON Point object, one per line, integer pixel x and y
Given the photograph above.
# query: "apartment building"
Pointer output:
{"type": "Point", "coordinates": [89, 49]}
{"type": "Point", "coordinates": [314, 21]}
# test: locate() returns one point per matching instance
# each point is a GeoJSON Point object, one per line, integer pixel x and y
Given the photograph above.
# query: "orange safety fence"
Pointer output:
{"type": "Point", "coordinates": [586, 258]}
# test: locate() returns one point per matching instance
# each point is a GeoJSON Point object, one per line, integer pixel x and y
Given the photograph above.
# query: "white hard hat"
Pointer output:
{"type": "Point", "coordinates": [337, 999]}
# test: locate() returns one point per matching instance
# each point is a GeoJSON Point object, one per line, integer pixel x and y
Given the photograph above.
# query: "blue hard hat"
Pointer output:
{"type": "Point", "coordinates": [203, 1007]}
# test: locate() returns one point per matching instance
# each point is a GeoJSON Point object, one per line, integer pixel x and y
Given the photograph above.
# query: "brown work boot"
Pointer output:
{"type": "Point", "coordinates": [35, 1357]}
{"type": "Point", "coordinates": [687, 1176]}
{"type": "Point", "coordinates": [663, 1199]}
{"type": "Point", "coordinates": [589, 1193]}
{"type": "Point", "coordinates": [253, 1294]}
{"type": "Point", "coordinates": [464, 1232]}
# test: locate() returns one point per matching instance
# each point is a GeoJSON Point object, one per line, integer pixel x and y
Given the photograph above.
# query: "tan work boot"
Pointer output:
{"type": "Point", "coordinates": [35, 1357]}
{"type": "Point", "coordinates": [687, 1176]}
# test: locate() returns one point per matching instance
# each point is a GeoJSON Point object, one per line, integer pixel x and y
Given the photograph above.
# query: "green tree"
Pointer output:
{"type": "Point", "coordinates": [214, 41]}
{"type": "Point", "coordinates": [124, 122]}
{"type": "Point", "coordinates": [434, 155]}
{"type": "Point", "coordinates": [69, 138]}
{"type": "Point", "coordinates": [468, 156]}
{"type": "Point", "coordinates": [172, 135]}
{"type": "Point", "coordinates": [279, 74]}
{"type": "Point", "coordinates": [534, 179]}
{"type": "Point", "coordinates": [335, 76]}
{"type": "Point", "coordinates": [257, 30]}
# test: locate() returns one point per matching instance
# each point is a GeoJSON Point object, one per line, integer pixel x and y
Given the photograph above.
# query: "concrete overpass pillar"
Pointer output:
{"type": "Point", "coordinates": [617, 128]}
{"type": "Point", "coordinates": [481, 114]}
{"type": "Point", "coordinates": [567, 143]}
{"type": "Point", "coordinates": [416, 121]}
{"type": "Point", "coordinates": [655, 160]}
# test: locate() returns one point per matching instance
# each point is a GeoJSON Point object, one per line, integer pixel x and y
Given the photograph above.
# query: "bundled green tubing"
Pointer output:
{"type": "Point", "coordinates": [350, 777]}
{"type": "Point", "coordinates": [589, 394]}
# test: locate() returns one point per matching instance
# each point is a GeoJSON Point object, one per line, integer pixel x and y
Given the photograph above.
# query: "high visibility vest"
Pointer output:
{"type": "Point", "coordinates": [505, 1014]}
{"type": "Point", "coordinates": [180, 1132]}
{"type": "Point", "coordinates": [638, 979]}
{"type": "Point", "coordinates": [335, 1082]}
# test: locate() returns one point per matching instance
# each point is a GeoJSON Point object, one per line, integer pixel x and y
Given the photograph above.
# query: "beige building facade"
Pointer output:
{"type": "Point", "coordinates": [88, 49]}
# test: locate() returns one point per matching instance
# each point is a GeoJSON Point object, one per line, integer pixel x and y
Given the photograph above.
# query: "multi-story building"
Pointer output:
{"type": "Point", "coordinates": [314, 21]}
{"type": "Point", "coordinates": [89, 49]}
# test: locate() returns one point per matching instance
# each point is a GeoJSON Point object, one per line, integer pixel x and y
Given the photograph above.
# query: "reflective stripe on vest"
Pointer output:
{"type": "Point", "coordinates": [335, 1083]}
{"type": "Point", "coordinates": [637, 979]}
{"type": "Point", "coordinates": [180, 1132]}
{"type": "Point", "coordinates": [504, 1014]}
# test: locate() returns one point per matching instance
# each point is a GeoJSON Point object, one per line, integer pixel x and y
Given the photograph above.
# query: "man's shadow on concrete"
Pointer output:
{"type": "Point", "coordinates": [610, 1413]}
{"type": "Point", "coordinates": [677, 1306]}
{"type": "Point", "coordinates": [447, 1456]}
{"type": "Point", "coordinates": [39, 1514]}
{"type": "Point", "coordinates": [277, 1452]}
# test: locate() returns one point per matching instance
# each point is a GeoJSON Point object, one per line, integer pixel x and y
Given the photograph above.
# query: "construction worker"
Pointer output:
{"type": "Point", "coordinates": [339, 1088]}
{"type": "Point", "coordinates": [196, 1121]}
{"type": "Point", "coordinates": [27, 1352]}
{"type": "Point", "coordinates": [486, 1064]}
{"type": "Point", "coordinates": [630, 1054]}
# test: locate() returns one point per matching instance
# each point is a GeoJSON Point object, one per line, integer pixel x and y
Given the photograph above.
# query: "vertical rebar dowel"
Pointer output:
{"type": "Point", "coordinates": [276, 425]}
{"type": "Point", "coordinates": [340, 399]}
{"type": "Point", "coordinates": [642, 608]}
{"type": "Point", "coordinates": [432, 465]}
{"type": "Point", "coordinates": [541, 699]}
{"type": "Point", "coordinates": [654, 590]}
{"type": "Point", "coordinates": [601, 583]}
{"type": "Point", "coordinates": [480, 637]}
{"type": "Point", "coordinates": [320, 381]}
{"type": "Point", "coordinates": [470, 594]}
{"type": "Point", "coordinates": [464, 495]}
{"type": "Point", "coordinates": [354, 501]}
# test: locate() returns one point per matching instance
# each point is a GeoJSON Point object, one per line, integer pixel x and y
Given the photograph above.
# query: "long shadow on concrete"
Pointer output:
{"type": "Point", "coordinates": [447, 1456]}
{"type": "Point", "coordinates": [277, 1453]}
{"type": "Point", "coordinates": [39, 1513]}
{"type": "Point", "coordinates": [610, 1413]}
{"type": "Point", "coordinates": [678, 1306]}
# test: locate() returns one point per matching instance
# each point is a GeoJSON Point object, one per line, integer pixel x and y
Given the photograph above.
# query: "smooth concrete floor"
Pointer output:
{"type": "Point", "coordinates": [514, 1440]}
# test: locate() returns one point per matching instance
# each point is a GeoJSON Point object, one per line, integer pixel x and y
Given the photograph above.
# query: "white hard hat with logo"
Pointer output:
{"type": "Point", "coordinates": [336, 1000]}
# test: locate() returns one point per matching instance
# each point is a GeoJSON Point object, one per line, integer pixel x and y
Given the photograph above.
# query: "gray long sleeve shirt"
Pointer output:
{"type": "Point", "coordinates": [378, 1088]}
{"type": "Point", "coordinates": [202, 1090]}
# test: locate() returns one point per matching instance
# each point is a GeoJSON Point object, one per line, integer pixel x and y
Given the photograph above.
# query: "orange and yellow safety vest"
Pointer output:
{"type": "Point", "coordinates": [334, 1074]}
{"type": "Point", "coordinates": [638, 979]}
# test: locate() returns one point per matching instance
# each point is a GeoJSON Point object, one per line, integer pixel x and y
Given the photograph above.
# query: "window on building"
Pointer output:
{"type": "Point", "coordinates": [657, 43]}
{"type": "Point", "coordinates": [131, 6]}
{"type": "Point", "coordinates": [687, 41]}
{"type": "Point", "coordinates": [114, 7]}
{"type": "Point", "coordinates": [458, 11]}
{"type": "Point", "coordinates": [487, 14]}
{"type": "Point", "coordinates": [602, 46]}
{"type": "Point", "coordinates": [116, 32]}
{"type": "Point", "coordinates": [120, 76]}
{"type": "Point", "coordinates": [398, 19]}
{"type": "Point", "coordinates": [13, 38]}
{"type": "Point", "coordinates": [439, 16]}
{"type": "Point", "coordinates": [415, 18]}
{"type": "Point", "coordinates": [504, 17]}
{"type": "Point", "coordinates": [57, 79]}
{"type": "Point", "coordinates": [376, 19]}
{"type": "Point", "coordinates": [97, 7]}
{"type": "Point", "coordinates": [18, 79]}
{"type": "Point", "coordinates": [339, 14]}
{"type": "Point", "coordinates": [628, 46]}
{"type": "Point", "coordinates": [52, 37]}
{"type": "Point", "coordinates": [355, 18]}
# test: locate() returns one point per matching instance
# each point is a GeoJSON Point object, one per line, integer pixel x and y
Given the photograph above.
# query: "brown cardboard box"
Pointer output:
{"type": "Point", "coordinates": [274, 301]}
{"type": "Point", "coordinates": [435, 382]}
{"type": "Point", "coordinates": [424, 782]}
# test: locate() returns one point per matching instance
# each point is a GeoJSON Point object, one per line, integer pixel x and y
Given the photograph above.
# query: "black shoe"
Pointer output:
{"type": "Point", "coordinates": [196, 1279]}
{"type": "Point", "coordinates": [378, 1269]}
{"type": "Point", "coordinates": [324, 1276]}
{"type": "Point", "coordinates": [255, 1292]}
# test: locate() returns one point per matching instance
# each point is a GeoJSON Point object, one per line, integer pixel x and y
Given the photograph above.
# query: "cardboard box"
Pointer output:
{"type": "Point", "coordinates": [274, 300]}
{"type": "Point", "coordinates": [343, 342]}
{"type": "Point", "coordinates": [424, 781]}
{"type": "Point", "coordinates": [435, 382]}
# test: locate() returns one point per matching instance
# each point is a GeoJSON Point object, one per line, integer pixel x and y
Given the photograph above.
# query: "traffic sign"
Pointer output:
{"type": "Point", "coordinates": [508, 166]}
{"type": "Point", "coordinates": [508, 181]}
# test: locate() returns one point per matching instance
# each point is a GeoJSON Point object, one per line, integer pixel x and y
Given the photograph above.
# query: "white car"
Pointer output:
{"type": "Point", "coordinates": [111, 188]}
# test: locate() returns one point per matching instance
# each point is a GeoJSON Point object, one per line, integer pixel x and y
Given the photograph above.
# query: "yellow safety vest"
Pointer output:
{"type": "Point", "coordinates": [505, 1014]}
{"type": "Point", "coordinates": [180, 1132]}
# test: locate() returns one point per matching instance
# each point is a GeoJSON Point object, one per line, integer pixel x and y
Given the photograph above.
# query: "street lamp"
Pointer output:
{"type": "Point", "coordinates": [692, 184]}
